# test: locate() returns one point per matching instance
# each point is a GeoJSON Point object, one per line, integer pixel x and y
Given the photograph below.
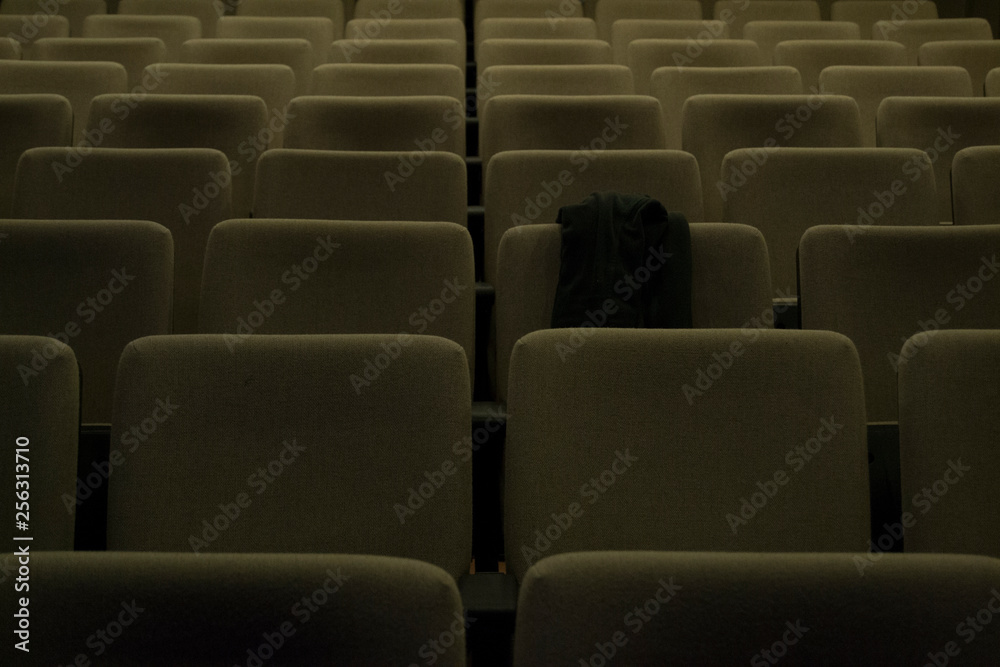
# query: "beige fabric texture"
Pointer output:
{"type": "Point", "coordinates": [888, 283]}
{"type": "Point", "coordinates": [870, 85]}
{"type": "Point", "coordinates": [731, 285]}
{"type": "Point", "coordinates": [411, 9]}
{"type": "Point", "coordinates": [75, 11]}
{"type": "Point", "coordinates": [221, 609]}
{"type": "Point", "coordinates": [376, 280]}
{"type": "Point", "coordinates": [423, 123]}
{"type": "Point", "coordinates": [947, 436]}
{"type": "Point", "coordinates": [78, 82]}
{"type": "Point", "coordinates": [608, 12]}
{"type": "Point", "coordinates": [346, 185]}
{"type": "Point", "coordinates": [364, 450]}
{"type": "Point", "coordinates": [672, 86]}
{"type": "Point", "coordinates": [768, 34]}
{"type": "Point", "coordinates": [645, 56]}
{"type": "Point", "coordinates": [98, 284]}
{"type": "Point", "coordinates": [321, 32]}
{"type": "Point", "coordinates": [993, 83]}
{"type": "Point", "coordinates": [537, 28]}
{"type": "Point", "coordinates": [713, 125]}
{"type": "Point", "coordinates": [555, 80]}
{"type": "Point", "coordinates": [526, 9]}
{"type": "Point", "coordinates": [914, 33]}
{"type": "Point", "coordinates": [672, 468]}
{"type": "Point", "coordinates": [866, 13]}
{"type": "Point", "coordinates": [977, 57]}
{"type": "Point", "coordinates": [172, 30]}
{"type": "Point", "coordinates": [389, 80]}
{"type": "Point", "coordinates": [741, 12]}
{"type": "Point", "coordinates": [45, 409]}
{"type": "Point", "coordinates": [974, 193]}
{"type": "Point", "coordinates": [797, 188]}
{"type": "Point", "coordinates": [529, 186]}
{"type": "Point", "coordinates": [811, 57]}
{"type": "Point", "coordinates": [20, 26]}
{"type": "Point", "coordinates": [237, 125]}
{"type": "Point", "coordinates": [813, 607]}
{"type": "Point", "coordinates": [132, 53]}
{"type": "Point", "coordinates": [161, 187]}
{"type": "Point", "coordinates": [493, 52]}
{"type": "Point", "coordinates": [27, 121]}
{"type": "Point", "coordinates": [295, 53]}
{"type": "Point", "coordinates": [626, 31]}
{"type": "Point", "coordinates": [331, 9]}
{"type": "Point", "coordinates": [203, 10]}
{"type": "Point", "coordinates": [400, 51]}
{"type": "Point", "coordinates": [363, 29]}
{"type": "Point", "coordinates": [943, 126]}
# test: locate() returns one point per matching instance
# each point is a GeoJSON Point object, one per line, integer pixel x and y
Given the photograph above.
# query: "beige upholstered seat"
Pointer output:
{"type": "Point", "coordinates": [493, 52]}
{"type": "Point", "coordinates": [337, 185]}
{"type": "Point", "coordinates": [974, 179]}
{"type": "Point", "coordinates": [331, 9]}
{"type": "Point", "coordinates": [389, 80]}
{"type": "Point", "coordinates": [367, 277]}
{"type": "Point", "coordinates": [365, 29]}
{"type": "Point", "coordinates": [713, 125]}
{"type": "Point", "coordinates": [737, 13]}
{"type": "Point", "coordinates": [204, 10]}
{"type": "Point", "coordinates": [870, 85]}
{"type": "Point", "coordinates": [608, 12]}
{"type": "Point", "coordinates": [400, 51]}
{"type": "Point", "coordinates": [977, 57]}
{"type": "Point", "coordinates": [346, 441]}
{"type": "Point", "coordinates": [172, 30]}
{"type": "Point", "coordinates": [97, 284]}
{"type": "Point", "coordinates": [947, 440]}
{"type": "Point", "coordinates": [626, 31]}
{"type": "Point", "coordinates": [639, 483]}
{"type": "Point", "coordinates": [40, 394]}
{"type": "Point", "coordinates": [866, 13]}
{"type": "Point", "coordinates": [555, 80]}
{"type": "Point", "coordinates": [526, 9]}
{"type": "Point", "coordinates": [295, 53]}
{"type": "Point", "coordinates": [185, 190]}
{"type": "Point", "coordinates": [811, 57]}
{"type": "Point", "coordinates": [425, 123]}
{"type": "Point", "coordinates": [538, 28]}
{"type": "Point", "coordinates": [705, 608]}
{"type": "Point", "coordinates": [889, 283]}
{"type": "Point", "coordinates": [784, 191]}
{"type": "Point", "coordinates": [78, 82]}
{"type": "Point", "coordinates": [730, 282]}
{"type": "Point", "coordinates": [23, 29]}
{"type": "Point", "coordinates": [170, 609]}
{"type": "Point", "coordinates": [411, 9]}
{"type": "Point", "coordinates": [27, 121]}
{"type": "Point", "coordinates": [941, 127]}
{"type": "Point", "coordinates": [768, 34]}
{"type": "Point", "coordinates": [75, 11]}
{"type": "Point", "coordinates": [321, 32]}
{"type": "Point", "coordinates": [132, 53]}
{"type": "Point", "coordinates": [237, 125]}
{"type": "Point", "coordinates": [914, 33]}
{"type": "Point", "coordinates": [993, 83]}
{"type": "Point", "coordinates": [10, 49]}
{"type": "Point", "coordinates": [645, 56]}
{"type": "Point", "coordinates": [672, 86]}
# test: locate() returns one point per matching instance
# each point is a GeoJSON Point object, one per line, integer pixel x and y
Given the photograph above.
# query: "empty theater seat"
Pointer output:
{"type": "Point", "coordinates": [400, 51]}
{"type": "Point", "coordinates": [974, 193]}
{"type": "Point", "coordinates": [914, 33]}
{"type": "Point", "coordinates": [784, 191]}
{"type": "Point", "coordinates": [737, 13]}
{"type": "Point", "coordinates": [351, 443]}
{"type": "Point", "coordinates": [95, 284]}
{"type": "Point", "coordinates": [24, 30]}
{"type": "Point", "coordinates": [321, 32]}
{"type": "Point", "coordinates": [672, 86]}
{"type": "Point", "coordinates": [341, 185]}
{"type": "Point", "coordinates": [386, 80]}
{"type": "Point", "coordinates": [889, 283]}
{"type": "Point", "coordinates": [713, 125]}
{"type": "Point", "coordinates": [947, 438]}
{"type": "Point", "coordinates": [185, 190]}
{"type": "Point", "coordinates": [204, 10]}
{"type": "Point", "coordinates": [363, 29]}
{"type": "Point", "coordinates": [237, 125]}
{"type": "Point", "coordinates": [705, 608]}
{"type": "Point", "coordinates": [166, 609]}
{"type": "Point", "coordinates": [942, 127]}
{"type": "Point", "coordinates": [526, 9]}
{"type": "Point", "coordinates": [993, 83]}
{"type": "Point", "coordinates": [411, 9]}
{"type": "Point", "coordinates": [423, 123]}
{"type": "Point", "coordinates": [367, 277]}
{"type": "Point", "coordinates": [811, 57]}
{"type": "Point", "coordinates": [866, 13]}
{"type": "Point", "coordinates": [493, 52]}
{"type": "Point", "coordinates": [75, 11]}
{"type": "Point", "coordinates": [645, 56]}
{"type": "Point", "coordinates": [768, 34]}
{"type": "Point", "coordinates": [172, 30]}
{"type": "Point", "coordinates": [626, 31]}
{"type": "Point", "coordinates": [730, 287]}
{"type": "Point", "coordinates": [132, 53]}
{"type": "Point", "coordinates": [977, 57]}
{"type": "Point", "coordinates": [28, 121]}
{"type": "Point", "coordinates": [295, 53]}
{"type": "Point", "coordinates": [331, 9]}
{"type": "Point", "coordinates": [568, 446]}
{"type": "Point", "coordinates": [555, 80]}
{"type": "Point", "coordinates": [577, 28]}
{"type": "Point", "coordinates": [40, 392]}
{"type": "Point", "coordinates": [608, 13]}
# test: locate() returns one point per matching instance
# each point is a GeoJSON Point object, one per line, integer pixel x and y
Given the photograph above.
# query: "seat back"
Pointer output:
{"type": "Point", "coordinates": [412, 9]}
{"type": "Point", "coordinates": [28, 121]}
{"type": "Point", "coordinates": [768, 34]}
{"type": "Point", "coordinates": [400, 51]}
{"type": "Point", "coordinates": [330, 9]}
{"type": "Point", "coordinates": [320, 31]}
{"type": "Point", "coordinates": [555, 80]}
{"type": "Point", "coordinates": [975, 199]}
{"type": "Point", "coordinates": [977, 57]}
{"type": "Point", "coordinates": [737, 13]}
{"type": "Point", "coordinates": [993, 83]}
{"type": "Point", "coordinates": [577, 28]}
{"type": "Point", "coordinates": [22, 28]}
{"type": "Point", "coordinates": [389, 80]}
{"type": "Point", "coordinates": [612, 11]}
{"type": "Point", "coordinates": [75, 11]}
{"type": "Point", "coordinates": [171, 30]}
{"type": "Point", "coordinates": [645, 56]}
{"type": "Point", "coordinates": [866, 13]}
{"type": "Point", "coordinates": [10, 49]}
{"type": "Point", "coordinates": [294, 53]}
{"type": "Point", "coordinates": [915, 33]}
{"type": "Point", "coordinates": [626, 31]}
{"type": "Point", "coordinates": [364, 29]}
{"type": "Point", "coordinates": [493, 52]}
{"type": "Point", "coordinates": [812, 56]}
{"type": "Point", "coordinates": [132, 53]}
{"type": "Point", "coordinates": [204, 10]}
{"type": "Point", "coordinates": [526, 9]}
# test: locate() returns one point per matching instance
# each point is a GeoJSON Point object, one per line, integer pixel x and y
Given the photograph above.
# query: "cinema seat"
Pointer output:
{"type": "Point", "coordinates": [411, 9]}
{"type": "Point", "coordinates": [882, 286]}
{"type": "Point", "coordinates": [608, 12]}
{"type": "Point", "coordinates": [626, 31]}
{"type": "Point", "coordinates": [812, 56]}
{"type": "Point", "coordinates": [171, 30]}
{"type": "Point", "coordinates": [363, 29]}
{"type": "Point", "coordinates": [400, 51]}
{"type": "Point", "coordinates": [367, 277]}
{"type": "Point", "coordinates": [75, 11]}
{"type": "Point", "coordinates": [324, 430]}
{"type": "Point", "coordinates": [330, 9]}
{"type": "Point", "coordinates": [974, 193]}
{"type": "Point", "coordinates": [40, 392]}
{"type": "Point", "coordinates": [768, 34]}
{"type": "Point", "coordinates": [28, 121]}
{"type": "Point", "coordinates": [185, 190]}
{"type": "Point", "coordinates": [977, 57]}
{"type": "Point", "coordinates": [344, 185]}
{"type": "Point", "coordinates": [915, 33]}
{"type": "Point", "coordinates": [555, 80]}
{"type": "Point", "coordinates": [993, 83]}
{"type": "Point", "coordinates": [321, 32]}
{"type": "Point", "coordinates": [423, 123]}
{"type": "Point", "coordinates": [166, 609]}
{"type": "Point", "coordinates": [493, 52]}
{"type": "Point", "coordinates": [740, 12]}
{"type": "Point", "coordinates": [866, 13]}
{"type": "Point", "coordinates": [385, 80]}
{"type": "Point", "coordinates": [538, 28]}
{"type": "Point", "coordinates": [947, 428]}
{"type": "Point", "coordinates": [648, 55]}
{"type": "Point", "coordinates": [526, 9]}
{"type": "Point", "coordinates": [704, 608]}
{"type": "Point", "coordinates": [204, 10]}
{"type": "Point", "coordinates": [631, 483]}
{"type": "Point", "coordinates": [97, 284]}
{"type": "Point", "coordinates": [132, 53]}
{"type": "Point", "coordinates": [731, 285]}
{"type": "Point", "coordinates": [19, 26]}
{"type": "Point", "coordinates": [295, 53]}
